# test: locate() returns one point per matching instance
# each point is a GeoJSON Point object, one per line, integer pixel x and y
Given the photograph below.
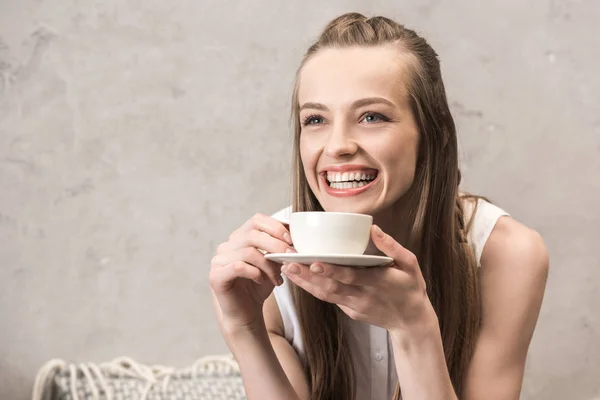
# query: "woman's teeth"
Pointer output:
{"type": "Point", "coordinates": [349, 180]}
{"type": "Point", "coordinates": [347, 185]}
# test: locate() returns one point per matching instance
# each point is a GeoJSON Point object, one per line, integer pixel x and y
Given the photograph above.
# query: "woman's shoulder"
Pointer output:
{"type": "Point", "coordinates": [512, 242]}
{"type": "Point", "coordinates": [499, 238]}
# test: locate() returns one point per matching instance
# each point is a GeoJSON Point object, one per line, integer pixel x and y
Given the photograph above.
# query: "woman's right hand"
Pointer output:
{"type": "Point", "coordinates": [241, 277]}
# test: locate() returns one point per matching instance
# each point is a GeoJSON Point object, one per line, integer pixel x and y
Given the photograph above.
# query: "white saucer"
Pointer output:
{"type": "Point", "coordinates": [339, 259]}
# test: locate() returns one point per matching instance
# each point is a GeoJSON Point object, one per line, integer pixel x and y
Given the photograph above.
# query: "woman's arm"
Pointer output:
{"type": "Point", "coordinates": [242, 283]}
{"type": "Point", "coordinates": [288, 359]}
{"type": "Point", "coordinates": [513, 278]}
{"type": "Point", "coordinates": [420, 361]}
{"type": "Point", "coordinates": [269, 366]}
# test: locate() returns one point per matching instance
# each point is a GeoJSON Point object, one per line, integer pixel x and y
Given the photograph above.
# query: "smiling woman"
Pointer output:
{"type": "Point", "coordinates": [362, 116]}
{"type": "Point", "coordinates": [374, 135]}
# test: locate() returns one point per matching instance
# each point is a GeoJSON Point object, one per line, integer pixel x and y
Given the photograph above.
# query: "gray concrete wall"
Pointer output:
{"type": "Point", "coordinates": [135, 135]}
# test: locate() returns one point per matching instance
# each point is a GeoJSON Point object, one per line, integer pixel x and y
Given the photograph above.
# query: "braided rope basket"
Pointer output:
{"type": "Point", "coordinates": [209, 378]}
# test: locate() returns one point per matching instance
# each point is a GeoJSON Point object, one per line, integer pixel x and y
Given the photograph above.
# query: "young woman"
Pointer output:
{"type": "Point", "coordinates": [454, 316]}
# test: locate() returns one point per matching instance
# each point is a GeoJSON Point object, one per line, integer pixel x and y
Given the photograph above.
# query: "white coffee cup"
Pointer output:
{"type": "Point", "coordinates": [322, 233]}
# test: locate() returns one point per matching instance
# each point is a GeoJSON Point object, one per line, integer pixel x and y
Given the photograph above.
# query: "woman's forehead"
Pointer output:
{"type": "Point", "coordinates": [340, 75]}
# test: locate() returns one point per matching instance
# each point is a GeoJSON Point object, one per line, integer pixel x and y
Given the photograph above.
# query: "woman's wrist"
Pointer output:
{"type": "Point", "coordinates": [233, 332]}
{"type": "Point", "coordinates": [419, 331]}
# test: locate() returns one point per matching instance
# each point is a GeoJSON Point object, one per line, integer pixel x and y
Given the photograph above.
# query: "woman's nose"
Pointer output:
{"type": "Point", "coordinates": [339, 142]}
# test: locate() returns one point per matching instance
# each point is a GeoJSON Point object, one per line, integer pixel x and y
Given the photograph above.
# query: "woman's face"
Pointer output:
{"type": "Point", "coordinates": [359, 141]}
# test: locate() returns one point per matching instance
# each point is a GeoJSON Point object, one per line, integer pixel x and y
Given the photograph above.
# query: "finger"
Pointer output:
{"type": "Point", "coordinates": [353, 313]}
{"type": "Point", "coordinates": [222, 277]}
{"type": "Point", "coordinates": [403, 258]}
{"type": "Point", "coordinates": [269, 225]}
{"type": "Point", "coordinates": [348, 275]}
{"type": "Point", "coordinates": [321, 287]}
{"type": "Point", "coordinates": [260, 240]}
{"type": "Point", "coordinates": [251, 256]}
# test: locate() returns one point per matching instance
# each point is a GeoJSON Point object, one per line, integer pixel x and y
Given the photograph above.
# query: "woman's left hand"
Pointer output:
{"type": "Point", "coordinates": [392, 297]}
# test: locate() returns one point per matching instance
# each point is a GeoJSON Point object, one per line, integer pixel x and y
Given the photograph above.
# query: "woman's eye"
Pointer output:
{"type": "Point", "coordinates": [374, 117]}
{"type": "Point", "coordinates": [313, 120]}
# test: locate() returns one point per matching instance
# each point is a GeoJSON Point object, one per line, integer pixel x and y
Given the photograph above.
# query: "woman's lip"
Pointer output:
{"type": "Point", "coordinates": [346, 192]}
{"type": "Point", "coordinates": [348, 168]}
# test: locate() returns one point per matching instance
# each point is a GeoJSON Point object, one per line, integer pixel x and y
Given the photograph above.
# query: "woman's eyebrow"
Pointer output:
{"type": "Point", "coordinates": [357, 104]}
{"type": "Point", "coordinates": [314, 106]}
{"type": "Point", "coordinates": [371, 100]}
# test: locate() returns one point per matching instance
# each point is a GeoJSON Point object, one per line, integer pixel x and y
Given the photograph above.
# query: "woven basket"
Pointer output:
{"type": "Point", "coordinates": [209, 378]}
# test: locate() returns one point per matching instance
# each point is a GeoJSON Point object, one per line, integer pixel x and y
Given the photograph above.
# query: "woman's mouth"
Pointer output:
{"type": "Point", "coordinates": [348, 183]}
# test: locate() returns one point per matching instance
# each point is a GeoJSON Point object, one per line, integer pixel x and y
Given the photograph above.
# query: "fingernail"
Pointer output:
{"type": "Point", "coordinates": [287, 237]}
{"type": "Point", "coordinates": [316, 268]}
{"type": "Point", "coordinates": [378, 231]}
{"type": "Point", "coordinates": [292, 269]}
{"type": "Point", "coordinates": [290, 250]}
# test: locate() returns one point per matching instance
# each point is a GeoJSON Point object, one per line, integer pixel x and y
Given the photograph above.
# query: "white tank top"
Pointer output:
{"type": "Point", "coordinates": [370, 345]}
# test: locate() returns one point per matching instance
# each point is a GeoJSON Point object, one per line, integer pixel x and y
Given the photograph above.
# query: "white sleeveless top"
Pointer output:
{"type": "Point", "coordinates": [370, 345]}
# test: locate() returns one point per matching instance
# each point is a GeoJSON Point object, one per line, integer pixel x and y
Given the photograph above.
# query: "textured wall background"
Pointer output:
{"type": "Point", "coordinates": [135, 135]}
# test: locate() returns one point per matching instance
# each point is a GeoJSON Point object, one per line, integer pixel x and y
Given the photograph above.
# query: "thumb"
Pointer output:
{"type": "Point", "coordinates": [383, 241]}
{"type": "Point", "coordinates": [391, 248]}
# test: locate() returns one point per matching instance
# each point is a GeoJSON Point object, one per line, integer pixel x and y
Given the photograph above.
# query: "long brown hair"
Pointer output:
{"type": "Point", "coordinates": [438, 236]}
